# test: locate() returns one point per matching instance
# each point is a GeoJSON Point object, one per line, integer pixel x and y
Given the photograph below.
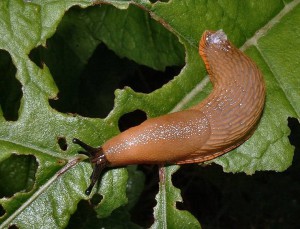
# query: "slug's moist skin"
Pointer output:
{"type": "Point", "coordinates": [220, 123]}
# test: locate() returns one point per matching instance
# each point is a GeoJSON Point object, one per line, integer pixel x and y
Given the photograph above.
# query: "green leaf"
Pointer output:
{"type": "Point", "coordinates": [47, 197]}
{"type": "Point", "coordinates": [166, 214]}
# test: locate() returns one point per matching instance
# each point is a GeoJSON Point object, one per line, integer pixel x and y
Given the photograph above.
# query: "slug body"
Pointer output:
{"type": "Point", "coordinates": [220, 123]}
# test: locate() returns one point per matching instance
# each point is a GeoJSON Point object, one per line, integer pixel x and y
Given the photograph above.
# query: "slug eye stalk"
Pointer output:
{"type": "Point", "coordinates": [97, 159]}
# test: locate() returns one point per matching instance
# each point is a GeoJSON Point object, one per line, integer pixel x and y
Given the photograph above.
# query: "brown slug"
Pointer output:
{"type": "Point", "coordinates": [220, 123]}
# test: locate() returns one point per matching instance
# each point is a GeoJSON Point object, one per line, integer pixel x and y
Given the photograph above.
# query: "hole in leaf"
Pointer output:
{"type": "Point", "coordinates": [147, 80]}
{"type": "Point", "coordinates": [17, 174]}
{"type": "Point", "coordinates": [199, 195]}
{"type": "Point", "coordinates": [84, 217]}
{"type": "Point", "coordinates": [97, 83]}
{"type": "Point", "coordinates": [2, 211]}
{"type": "Point", "coordinates": [13, 227]}
{"type": "Point", "coordinates": [62, 143]}
{"type": "Point", "coordinates": [142, 212]}
{"type": "Point", "coordinates": [180, 206]}
{"type": "Point", "coordinates": [10, 88]}
{"type": "Point", "coordinates": [37, 56]}
{"type": "Point", "coordinates": [131, 119]}
{"type": "Point", "coordinates": [294, 137]}
{"type": "Point", "coordinates": [96, 199]}
{"type": "Point", "coordinates": [87, 72]}
{"type": "Point", "coordinates": [104, 73]}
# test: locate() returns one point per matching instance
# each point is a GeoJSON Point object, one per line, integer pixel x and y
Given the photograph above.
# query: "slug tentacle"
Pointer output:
{"type": "Point", "coordinates": [97, 158]}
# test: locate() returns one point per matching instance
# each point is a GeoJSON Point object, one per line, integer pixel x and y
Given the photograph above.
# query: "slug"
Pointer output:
{"type": "Point", "coordinates": [220, 123]}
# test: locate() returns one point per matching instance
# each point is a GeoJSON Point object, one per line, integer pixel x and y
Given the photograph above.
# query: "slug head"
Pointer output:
{"type": "Point", "coordinates": [97, 158]}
